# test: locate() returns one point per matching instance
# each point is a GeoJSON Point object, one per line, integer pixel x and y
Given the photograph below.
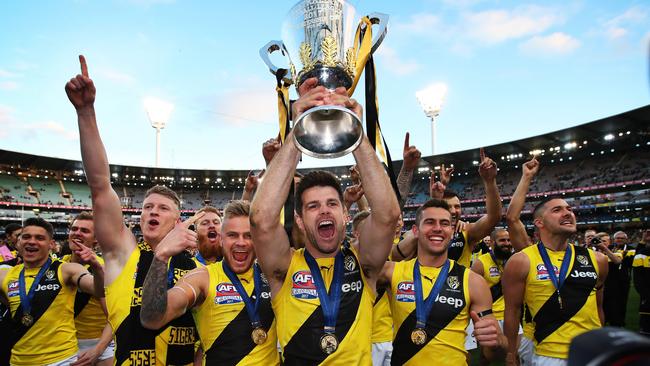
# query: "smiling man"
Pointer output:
{"type": "Point", "coordinates": [126, 261]}
{"type": "Point", "coordinates": [560, 283]}
{"type": "Point", "coordinates": [40, 294]}
{"type": "Point", "coordinates": [230, 300]}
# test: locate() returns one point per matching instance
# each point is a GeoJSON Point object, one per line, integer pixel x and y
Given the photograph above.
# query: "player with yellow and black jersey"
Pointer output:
{"type": "Point", "coordinates": [94, 334]}
{"type": "Point", "coordinates": [40, 294]}
{"type": "Point", "coordinates": [127, 262]}
{"type": "Point", "coordinates": [561, 284]}
{"type": "Point", "coordinates": [230, 300]}
{"type": "Point", "coordinates": [323, 294]}
{"type": "Point", "coordinates": [641, 269]}
{"type": "Point", "coordinates": [208, 231]}
{"type": "Point", "coordinates": [433, 297]}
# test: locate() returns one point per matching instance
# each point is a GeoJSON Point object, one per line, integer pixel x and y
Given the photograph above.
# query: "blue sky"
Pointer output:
{"type": "Point", "coordinates": [513, 69]}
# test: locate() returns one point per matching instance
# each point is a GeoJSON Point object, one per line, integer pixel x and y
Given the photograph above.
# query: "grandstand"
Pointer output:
{"type": "Point", "coordinates": [601, 167]}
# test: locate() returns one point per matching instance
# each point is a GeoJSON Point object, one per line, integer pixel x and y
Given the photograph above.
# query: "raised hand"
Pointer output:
{"type": "Point", "coordinates": [270, 148]}
{"type": "Point", "coordinates": [312, 97]}
{"type": "Point", "coordinates": [488, 168]}
{"type": "Point", "coordinates": [530, 168]}
{"type": "Point", "coordinates": [81, 89]}
{"type": "Point", "coordinates": [411, 154]}
{"type": "Point", "coordinates": [85, 255]}
{"type": "Point", "coordinates": [352, 194]}
{"type": "Point", "coordinates": [179, 239]}
{"type": "Point", "coordinates": [340, 97]}
{"type": "Point", "coordinates": [445, 174]}
{"type": "Point", "coordinates": [252, 181]}
{"type": "Point", "coordinates": [437, 190]}
{"type": "Point", "coordinates": [354, 174]}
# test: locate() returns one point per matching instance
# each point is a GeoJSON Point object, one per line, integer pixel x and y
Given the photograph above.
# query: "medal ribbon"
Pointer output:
{"type": "Point", "coordinates": [422, 307]}
{"type": "Point", "coordinates": [200, 258]}
{"type": "Point", "coordinates": [251, 307]}
{"type": "Point", "coordinates": [26, 298]}
{"type": "Point", "coordinates": [549, 265]}
{"type": "Point", "coordinates": [329, 302]}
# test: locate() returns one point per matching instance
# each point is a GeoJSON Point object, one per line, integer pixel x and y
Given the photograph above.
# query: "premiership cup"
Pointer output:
{"type": "Point", "coordinates": [322, 34]}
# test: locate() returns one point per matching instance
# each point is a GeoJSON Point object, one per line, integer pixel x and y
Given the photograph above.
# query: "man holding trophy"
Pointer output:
{"type": "Point", "coordinates": [323, 294]}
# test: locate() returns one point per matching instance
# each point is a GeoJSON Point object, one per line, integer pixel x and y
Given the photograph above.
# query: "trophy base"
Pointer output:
{"type": "Point", "coordinates": [329, 77]}
{"type": "Point", "coordinates": [328, 132]}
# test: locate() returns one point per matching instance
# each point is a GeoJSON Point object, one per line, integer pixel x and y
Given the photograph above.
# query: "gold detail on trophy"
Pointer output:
{"type": "Point", "coordinates": [305, 57]}
{"type": "Point", "coordinates": [292, 70]}
{"type": "Point", "coordinates": [350, 62]}
{"type": "Point", "coordinates": [330, 49]}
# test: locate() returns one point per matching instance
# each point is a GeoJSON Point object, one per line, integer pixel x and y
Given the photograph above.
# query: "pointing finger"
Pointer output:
{"type": "Point", "coordinates": [406, 141]}
{"type": "Point", "coordinates": [187, 223]}
{"type": "Point", "coordinates": [482, 153]}
{"type": "Point", "coordinates": [84, 66]}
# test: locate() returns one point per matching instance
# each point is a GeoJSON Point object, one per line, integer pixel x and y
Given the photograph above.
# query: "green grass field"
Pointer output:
{"type": "Point", "coordinates": [631, 323]}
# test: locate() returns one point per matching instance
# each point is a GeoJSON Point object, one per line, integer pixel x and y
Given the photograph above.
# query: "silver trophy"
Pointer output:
{"type": "Point", "coordinates": [322, 34]}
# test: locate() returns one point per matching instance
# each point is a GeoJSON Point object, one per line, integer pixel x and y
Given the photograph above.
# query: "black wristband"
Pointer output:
{"type": "Point", "coordinates": [484, 313]}
{"type": "Point", "coordinates": [400, 251]}
{"type": "Point", "coordinates": [79, 278]}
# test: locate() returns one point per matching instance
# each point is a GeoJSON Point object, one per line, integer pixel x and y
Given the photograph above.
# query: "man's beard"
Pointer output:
{"type": "Point", "coordinates": [503, 253]}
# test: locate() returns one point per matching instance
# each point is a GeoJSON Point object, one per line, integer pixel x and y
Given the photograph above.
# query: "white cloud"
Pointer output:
{"type": "Point", "coordinates": [116, 76]}
{"type": "Point", "coordinates": [9, 125]}
{"type": "Point", "coordinates": [394, 63]}
{"type": "Point", "coordinates": [556, 43]}
{"type": "Point", "coordinates": [8, 85]}
{"type": "Point", "coordinates": [496, 26]}
{"type": "Point", "coordinates": [253, 103]}
{"type": "Point", "coordinates": [617, 27]}
{"type": "Point", "coordinates": [56, 128]}
{"type": "Point", "coordinates": [421, 23]}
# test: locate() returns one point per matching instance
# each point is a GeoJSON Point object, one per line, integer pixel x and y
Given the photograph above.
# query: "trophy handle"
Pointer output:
{"type": "Point", "coordinates": [268, 49]}
{"type": "Point", "coordinates": [381, 21]}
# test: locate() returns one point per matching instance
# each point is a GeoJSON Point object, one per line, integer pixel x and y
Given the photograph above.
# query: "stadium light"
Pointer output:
{"type": "Point", "coordinates": [158, 112]}
{"type": "Point", "coordinates": [431, 99]}
{"type": "Point", "coordinates": [609, 137]}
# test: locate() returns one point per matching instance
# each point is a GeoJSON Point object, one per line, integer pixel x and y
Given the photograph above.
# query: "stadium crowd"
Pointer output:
{"type": "Point", "coordinates": [279, 277]}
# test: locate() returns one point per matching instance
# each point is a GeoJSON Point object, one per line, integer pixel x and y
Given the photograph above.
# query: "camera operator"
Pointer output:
{"type": "Point", "coordinates": [615, 283]}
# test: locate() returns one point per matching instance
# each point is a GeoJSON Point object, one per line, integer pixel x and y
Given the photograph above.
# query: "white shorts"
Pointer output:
{"type": "Point", "coordinates": [520, 331]}
{"type": "Point", "coordinates": [381, 353]}
{"type": "Point", "coordinates": [548, 361]}
{"type": "Point", "coordinates": [67, 362]}
{"type": "Point", "coordinates": [470, 340]}
{"type": "Point", "coordinates": [526, 351]}
{"type": "Point", "coordinates": [86, 344]}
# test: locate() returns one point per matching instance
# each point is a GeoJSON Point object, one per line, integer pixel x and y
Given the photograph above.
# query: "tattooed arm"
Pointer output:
{"type": "Point", "coordinates": [411, 157]}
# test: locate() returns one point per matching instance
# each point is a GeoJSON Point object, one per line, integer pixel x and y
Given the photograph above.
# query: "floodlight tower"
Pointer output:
{"type": "Point", "coordinates": [158, 112]}
{"type": "Point", "coordinates": [431, 99]}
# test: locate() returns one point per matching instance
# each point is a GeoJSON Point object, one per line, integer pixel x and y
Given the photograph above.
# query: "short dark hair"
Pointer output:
{"type": "Point", "coordinates": [537, 211]}
{"type": "Point", "coordinates": [37, 221]}
{"type": "Point", "coordinates": [10, 228]}
{"type": "Point", "coordinates": [449, 194]}
{"type": "Point", "coordinates": [164, 191]}
{"type": "Point", "coordinates": [493, 234]}
{"type": "Point", "coordinates": [434, 202]}
{"type": "Point", "coordinates": [317, 178]}
{"type": "Point", "coordinates": [358, 219]}
{"type": "Point", "coordinates": [84, 215]}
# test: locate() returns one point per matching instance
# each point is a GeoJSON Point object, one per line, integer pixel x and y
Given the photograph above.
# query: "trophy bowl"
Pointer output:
{"type": "Point", "coordinates": [322, 34]}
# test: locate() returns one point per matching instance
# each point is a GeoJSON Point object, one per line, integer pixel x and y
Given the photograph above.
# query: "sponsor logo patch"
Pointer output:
{"type": "Point", "coordinates": [452, 282]}
{"type": "Point", "coordinates": [542, 273]}
{"type": "Point", "coordinates": [49, 274]}
{"type": "Point", "coordinates": [494, 272]}
{"type": "Point", "coordinates": [227, 294]}
{"type": "Point", "coordinates": [405, 292]}
{"type": "Point", "coordinates": [582, 260]}
{"type": "Point", "coordinates": [303, 286]}
{"type": "Point", "coordinates": [12, 289]}
{"type": "Point", "coordinates": [349, 263]}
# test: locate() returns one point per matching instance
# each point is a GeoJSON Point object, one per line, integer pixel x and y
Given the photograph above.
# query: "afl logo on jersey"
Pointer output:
{"type": "Point", "coordinates": [582, 260]}
{"type": "Point", "coordinates": [542, 273]}
{"type": "Point", "coordinates": [12, 289]}
{"type": "Point", "coordinates": [494, 272]}
{"type": "Point", "coordinates": [227, 294]}
{"type": "Point", "coordinates": [303, 286]}
{"type": "Point", "coordinates": [405, 292]}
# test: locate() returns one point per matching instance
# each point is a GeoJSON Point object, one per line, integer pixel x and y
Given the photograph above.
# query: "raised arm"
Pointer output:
{"type": "Point", "coordinates": [482, 228]}
{"type": "Point", "coordinates": [159, 305]}
{"type": "Point", "coordinates": [411, 156]}
{"type": "Point", "coordinates": [269, 237]}
{"type": "Point", "coordinates": [406, 249]}
{"type": "Point", "coordinates": [112, 235]}
{"type": "Point", "coordinates": [514, 285]}
{"type": "Point", "coordinates": [516, 229]}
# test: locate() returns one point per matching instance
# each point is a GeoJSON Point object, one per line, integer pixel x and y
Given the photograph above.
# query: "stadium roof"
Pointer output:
{"type": "Point", "coordinates": [636, 121]}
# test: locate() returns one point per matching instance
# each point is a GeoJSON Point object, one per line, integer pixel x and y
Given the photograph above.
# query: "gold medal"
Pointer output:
{"type": "Point", "coordinates": [27, 320]}
{"type": "Point", "coordinates": [419, 336]}
{"type": "Point", "coordinates": [329, 343]}
{"type": "Point", "coordinates": [259, 335]}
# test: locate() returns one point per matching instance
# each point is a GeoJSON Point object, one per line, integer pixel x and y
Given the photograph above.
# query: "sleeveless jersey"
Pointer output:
{"type": "Point", "coordinates": [492, 274]}
{"type": "Point", "coordinates": [459, 249]}
{"type": "Point", "coordinates": [300, 318]}
{"type": "Point", "coordinates": [135, 345]}
{"type": "Point", "coordinates": [447, 320]}
{"type": "Point", "coordinates": [89, 317]}
{"type": "Point", "coordinates": [224, 325]}
{"type": "Point", "coordinates": [51, 338]}
{"type": "Point", "coordinates": [554, 328]}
